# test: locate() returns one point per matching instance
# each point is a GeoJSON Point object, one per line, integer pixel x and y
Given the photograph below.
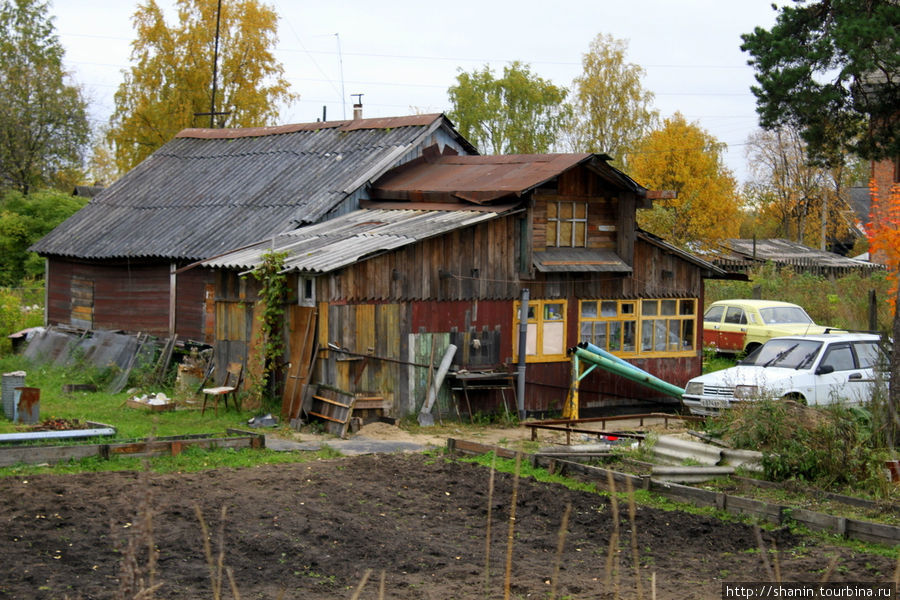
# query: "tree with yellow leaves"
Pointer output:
{"type": "Point", "coordinates": [170, 81]}
{"type": "Point", "coordinates": [794, 198]}
{"type": "Point", "coordinates": [683, 157]}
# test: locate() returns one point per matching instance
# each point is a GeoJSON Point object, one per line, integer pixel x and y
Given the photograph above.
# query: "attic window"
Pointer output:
{"type": "Point", "coordinates": [567, 224]}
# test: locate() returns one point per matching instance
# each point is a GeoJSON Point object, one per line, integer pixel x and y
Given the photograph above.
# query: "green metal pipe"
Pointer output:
{"type": "Point", "coordinates": [641, 377]}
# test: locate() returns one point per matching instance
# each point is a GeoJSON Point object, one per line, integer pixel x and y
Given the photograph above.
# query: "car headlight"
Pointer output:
{"type": "Point", "coordinates": [746, 391]}
{"type": "Point", "coordinates": [694, 388]}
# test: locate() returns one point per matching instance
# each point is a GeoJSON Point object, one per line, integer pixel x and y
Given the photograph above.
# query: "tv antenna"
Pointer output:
{"type": "Point", "coordinates": [212, 102]}
{"type": "Point", "coordinates": [341, 65]}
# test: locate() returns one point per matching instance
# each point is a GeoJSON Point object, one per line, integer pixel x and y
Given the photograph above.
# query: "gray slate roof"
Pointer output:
{"type": "Point", "coordinates": [344, 240]}
{"type": "Point", "coordinates": [209, 191]}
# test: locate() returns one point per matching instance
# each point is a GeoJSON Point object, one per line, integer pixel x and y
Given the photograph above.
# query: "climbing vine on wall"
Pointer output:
{"type": "Point", "coordinates": [272, 292]}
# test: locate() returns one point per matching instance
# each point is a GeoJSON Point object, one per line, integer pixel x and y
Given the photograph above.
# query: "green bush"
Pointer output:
{"type": "Point", "coordinates": [831, 447]}
{"type": "Point", "coordinates": [19, 308]}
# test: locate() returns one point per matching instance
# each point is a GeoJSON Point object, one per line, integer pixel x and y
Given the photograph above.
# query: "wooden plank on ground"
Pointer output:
{"type": "Point", "coordinates": [37, 455]}
{"type": "Point", "coordinates": [756, 508]}
{"type": "Point", "coordinates": [159, 447]}
{"type": "Point", "coordinates": [873, 532]}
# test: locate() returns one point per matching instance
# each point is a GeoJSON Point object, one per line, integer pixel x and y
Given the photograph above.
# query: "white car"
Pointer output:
{"type": "Point", "coordinates": [812, 369]}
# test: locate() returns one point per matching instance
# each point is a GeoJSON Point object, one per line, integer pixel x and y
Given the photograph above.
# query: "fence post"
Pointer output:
{"type": "Point", "coordinates": [873, 311]}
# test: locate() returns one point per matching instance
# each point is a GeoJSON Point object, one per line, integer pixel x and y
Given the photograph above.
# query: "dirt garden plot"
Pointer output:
{"type": "Point", "coordinates": [314, 530]}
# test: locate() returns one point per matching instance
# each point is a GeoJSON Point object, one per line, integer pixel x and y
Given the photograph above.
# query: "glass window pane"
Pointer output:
{"type": "Point", "coordinates": [686, 307]}
{"type": "Point", "coordinates": [629, 335]}
{"type": "Point", "coordinates": [553, 312]}
{"type": "Point", "coordinates": [531, 312]}
{"type": "Point", "coordinates": [565, 210]}
{"type": "Point", "coordinates": [551, 234]}
{"type": "Point", "coordinates": [840, 358]}
{"type": "Point", "coordinates": [649, 308]}
{"type": "Point", "coordinates": [668, 307]}
{"type": "Point", "coordinates": [687, 334]}
{"type": "Point", "coordinates": [627, 308]}
{"type": "Point", "coordinates": [554, 340]}
{"type": "Point", "coordinates": [714, 314]}
{"type": "Point", "coordinates": [588, 310]}
{"type": "Point", "coordinates": [551, 210]}
{"type": "Point", "coordinates": [735, 315]}
{"type": "Point", "coordinates": [609, 309]}
{"type": "Point", "coordinates": [647, 335]}
{"type": "Point", "coordinates": [673, 343]}
{"type": "Point", "coordinates": [615, 336]}
{"type": "Point", "coordinates": [600, 335]}
{"type": "Point", "coordinates": [587, 332]}
{"type": "Point", "coordinates": [659, 335]}
{"type": "Point", "coordinates": [869, 355]}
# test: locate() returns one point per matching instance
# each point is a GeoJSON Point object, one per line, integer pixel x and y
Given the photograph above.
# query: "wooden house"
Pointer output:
{"type": "Point", "coordinates": [441, 253]}
{"type": "Point", "coordinates": [117, 263]}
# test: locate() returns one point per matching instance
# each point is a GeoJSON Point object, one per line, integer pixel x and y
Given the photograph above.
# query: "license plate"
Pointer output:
{"type": "Point", "coordinates": [713, 403]}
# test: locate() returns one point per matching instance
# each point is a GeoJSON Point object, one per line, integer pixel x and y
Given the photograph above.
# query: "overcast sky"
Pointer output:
{"type": "Point", "coordinates": [403, 55]}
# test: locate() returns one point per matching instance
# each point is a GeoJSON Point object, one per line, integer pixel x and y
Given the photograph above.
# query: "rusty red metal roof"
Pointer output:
{"type": "Point", "coordinates": [484, 179]}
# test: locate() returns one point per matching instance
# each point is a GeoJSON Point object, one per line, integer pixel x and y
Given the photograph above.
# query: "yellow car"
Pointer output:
{"type": "Point", "coordinates": [735, 326]}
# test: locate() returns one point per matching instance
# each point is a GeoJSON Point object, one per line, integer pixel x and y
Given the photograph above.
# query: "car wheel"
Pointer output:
{"type": "Point", "coordinates": [798, 398]}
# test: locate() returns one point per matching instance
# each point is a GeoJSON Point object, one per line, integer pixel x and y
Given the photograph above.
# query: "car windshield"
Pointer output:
{"type": "Point", "coordinates": [788, 354]}
{"type": "Point", "coordinates": [778, 315]}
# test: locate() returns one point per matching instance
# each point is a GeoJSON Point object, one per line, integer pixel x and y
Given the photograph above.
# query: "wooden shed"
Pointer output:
{"type": "Point", "coordinates": [441, 254]}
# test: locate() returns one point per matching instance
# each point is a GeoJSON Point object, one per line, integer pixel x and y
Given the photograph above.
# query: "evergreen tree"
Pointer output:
{"type": "Point", "coordinates": [831, 69]}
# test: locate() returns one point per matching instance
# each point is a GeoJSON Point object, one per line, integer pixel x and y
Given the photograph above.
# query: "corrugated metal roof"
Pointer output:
{"type": "Point", "coordinates": [780, 250]}
{"type": "Point", "coordinates": [487, 178]}
{"type": "Point", "coordinates": [344, 240]}
{"type": "Point", "coordinates": [579, 260]}
{"type": "Point", "coordinates": [210, 191]}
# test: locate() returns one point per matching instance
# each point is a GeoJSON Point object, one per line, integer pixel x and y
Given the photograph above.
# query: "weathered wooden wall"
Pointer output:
{"type": "Point", "coordinates": [131, 296]}
{"type": "Point", "coordinates": [475, 262]}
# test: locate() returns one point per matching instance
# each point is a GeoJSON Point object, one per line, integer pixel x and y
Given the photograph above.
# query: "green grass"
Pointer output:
{"type": "Point", "coordinates": [713, 362]}
{"type": "Point", "coordinates": [130, 424]}
{"type": "Point", "coordinates": [111, 409]}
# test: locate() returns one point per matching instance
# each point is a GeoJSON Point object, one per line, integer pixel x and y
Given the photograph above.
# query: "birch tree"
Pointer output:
{"type": "Point", "coordinates": [170, 82]}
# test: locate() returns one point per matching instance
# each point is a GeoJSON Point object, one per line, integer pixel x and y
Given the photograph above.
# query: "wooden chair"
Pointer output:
{"type": "Point", "coordinates": [228, 388]}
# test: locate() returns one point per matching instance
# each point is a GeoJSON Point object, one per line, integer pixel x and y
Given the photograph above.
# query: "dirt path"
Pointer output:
{"type": "Point", "coordinates": [316, 530]}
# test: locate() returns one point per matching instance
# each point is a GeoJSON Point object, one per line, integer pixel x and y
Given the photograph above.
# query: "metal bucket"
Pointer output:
{"type": "Point", "coordinates": [9, 395]}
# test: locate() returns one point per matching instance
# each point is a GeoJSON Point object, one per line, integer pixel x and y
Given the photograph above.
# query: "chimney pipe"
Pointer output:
{"type": "Point", "coordinates": [357, 106]}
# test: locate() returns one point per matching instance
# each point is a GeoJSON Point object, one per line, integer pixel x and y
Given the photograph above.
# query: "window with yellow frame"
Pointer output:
{"type": "Point", "coordinates": [546, 331]}
{"type": "Point", "coordinates": [645, 327]}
